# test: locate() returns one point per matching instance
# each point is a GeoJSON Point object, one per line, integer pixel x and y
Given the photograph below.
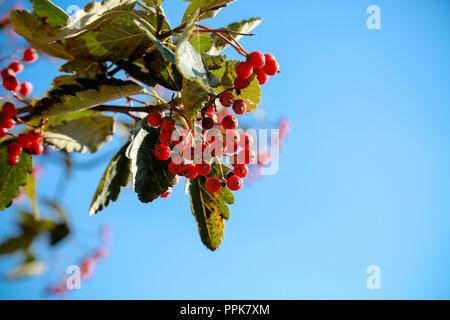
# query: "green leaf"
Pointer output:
{"type": "Point", "coordinates": [162, 71]}
{"type": "Point", "coordinates": [92, 132]}
{"type": "Point", "coordinates": [138, 71]}
{"type": "Point", "coordinates": [165, 51]}
{"type": "Point", "coordinates": [12, 245]}
{"type": "Point", "coordinates": [12, 177]}
{"type": "Point", "coordinates": [201, 42]}
{"type": "Point", "coordinates": [227, 74]}
{"type": "Point", "coordinates": [51, 14]}
{"type": "Point", "coordinates": [150, 175]}
{"type": "Point", "coordinates": [205, 7]}
{"type": "Point", "coordinates": [84, 94]}
{"type": "Point", "coordinates": [209, 210]}
{"type": "Point", "coordinates": [214, 62]}
{"type": "Point", "coordinates": [83, 68]}
{"type": "Point", "coordinates": [194, 95]}
{"type": "Point", "coordinates": [244, 26]}
{"type": "Point", "coordinates": [116, 175]}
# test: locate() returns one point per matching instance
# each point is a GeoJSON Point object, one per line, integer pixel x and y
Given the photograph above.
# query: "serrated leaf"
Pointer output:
{"type": "Point", "coordinates": [162, 71]}
{"type": "Point", "coordinates": [227, 74]}
{"type": "Point", "coordinates": [150, 175]}
{"type": "Point", "coordinates": [12, 177]}
{"type": "Point", "coordinates": [84, 94]}
{"type": "Point", "coordinates": [209, 210]}
{"type": "Point", "coordinates": [244, 26]}
{"type": "Point", "coordinates": [63, 142]}
{"type": "Point", "coordinates": [51, 14]}
{"type": "Point", "coordinates": [92, 132]}
{"type": "Point", "coordinates": [115, 176]}
{"type": "Point", "coordinates": [204, 6]}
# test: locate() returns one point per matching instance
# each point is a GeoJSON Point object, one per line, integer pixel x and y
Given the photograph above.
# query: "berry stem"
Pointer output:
{"type": "Point", "coordinates": [224, 39]}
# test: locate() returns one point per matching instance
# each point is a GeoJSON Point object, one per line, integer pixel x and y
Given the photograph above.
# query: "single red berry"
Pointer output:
{"type": "Point", "coordinates": [11, 83]}
{"type": "Point", "coordinates": [14, 148]}
{"type": "Point", "coordinates": [36, 148]}
{"type": "Point", "coordinates": [203, 167]}
{"type": "Point", "coordinates": [154, 118]}
{"type": "Point", "coordinates": [262, 77]}
{"type": "Point", "coordinates": [256, 60]}
{"type": "Point", "coordinates": [13, 159]}
{"type": "Point", "coordinates": [226, 99]}
{"type": "Point", "coordinates": [230, 122]}
{"type": "Point", "coordinates": [239, 107]}
{"type": "Point", "coordinates": [240, 170]}
{"type": "Point", "coordinates": [234, 183]}
{"type": "Point", "coordinates": [16, 66]}
{"type": "Point", "coordinates": [26, 88]}
{"type": "Point", "coordinates": [162, 152]}
{"type": "Point", "coordinates": [7, 122]}
{"type": "Point", "coordinates": [30, 55]}
{"type": "Point", "coordinates": [244, 70]}
{"type": "Point", "coordinates": [189, 171]}
{"type": "Point", "coordinates": [271, 67]}
{"type": "Point", "coordinates": [208, 123]}
{"type": "Point", "coordinates": [213, 185]}
{"type": "Point", "coordinates": [246, 140]}
{"type": "Point", "coordinates": [166, 138]}
{"type": "Point", "coordinates": [174, 168]}
{"type": "Point", "coordinates": [245, 156]}
{"type": "Point", "coordinates": [166, 194]}
{"type": "Point", "coordinates": [24, 140]}
{"type": "Point", "coordinates": [167, 124]}
{"type": "Point", "coordinates": [3, 131]}
{"type": "Point", "coordinates": [241, 83]}
{"type": "Point", "coordinates": [9, 110]}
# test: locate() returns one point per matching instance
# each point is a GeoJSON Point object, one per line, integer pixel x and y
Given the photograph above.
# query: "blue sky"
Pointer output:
{"type": "Point", "coordinates": [363, 177]}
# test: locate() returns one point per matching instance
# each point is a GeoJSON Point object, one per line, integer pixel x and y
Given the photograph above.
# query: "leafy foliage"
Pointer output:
{"type": "Point", "coordinates": [116, 175]}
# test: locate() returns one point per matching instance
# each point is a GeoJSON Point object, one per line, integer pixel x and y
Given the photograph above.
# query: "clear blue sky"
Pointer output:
{"type": "Point", "coordinates": [364, 176]}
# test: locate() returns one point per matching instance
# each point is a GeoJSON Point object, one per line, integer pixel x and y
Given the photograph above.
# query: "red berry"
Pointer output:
{"type": "Point", "coordinates": [213, 185]}
{"type": "Point", "coordinates": [9, 110]}
{"type": "Point", "coordinates": [13, 159]}
{"type": "Point", "coordinates": [244, 70]}
{"type": "Point", "coordinates": [208, 123]}
{"type": "Point", "coordinates": [154, 118]}
{"type": "Point", "coordinates": [174, 168]}
{"type": "Point", "coordinates": [30, 55]}
{"type": "Point", "coordinates": [166, 138]}
{"type": "Point", "coordinates": [262, 77]}
{"type": "Point", "coordinates": [24, 140]}
{"type": "Point", "coordinates": [36, 148]}
{"type": "Point", "coordinates": [234, 183]}
{"type": "Point", "coordinates": [3, 131]}
{"type": "Point", "coordinates": [226, 99]}
{"type": "Point", "coordinates": [240, 170]}
{"type": "Point", "coordinates": [241, 83]}
{"type": "Point", "coordinates": [162, 152]}
{"type": "Point", "coordinates": [230, 122]}
{"type": "Point", "coordinates": [7, 122]}
{"type": "Point", "coordinates": [35, 137]}
{"type": "Point", "coordinates": [167, 124]}
{"type": "Point", "coordinates": [5, 73]}
{"type": "Point", "coordinates": [10, 83]}
{"type": "Point", "coordinates": [16, 66]}
{"type": "Point", "coordinates": [246, 156]}
{"type": "Point", "coordinates": [189, 171]}
{"type": "Point", "coordinates": [14, 148]}
{"type": "Point", "coordinates": [231, 142]}
{"type": "Point", "coordinates": [256, 60]}
{"type": "Point", "coordinates": [166, 194]}
{"type": "Point", "coordinates": [246, 140]}
{"type": "Point", "coordinates": [239, 107]}
{"type": "Point", "coordinates": [210, 111]}
{"type": "Point", "coordinates": [271, 67]}
{"type": "Point", "coordinates": [26, 88]}
{"type": "Point", "coordinates": [203, 167]}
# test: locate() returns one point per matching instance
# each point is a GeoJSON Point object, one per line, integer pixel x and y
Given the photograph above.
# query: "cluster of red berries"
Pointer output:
{"type": "Point", "coordinates": [9, 78]}
{"type": "Point", "coordinates": [32, 140]}
{"type": "Point", "coordinates": [261, 65]}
